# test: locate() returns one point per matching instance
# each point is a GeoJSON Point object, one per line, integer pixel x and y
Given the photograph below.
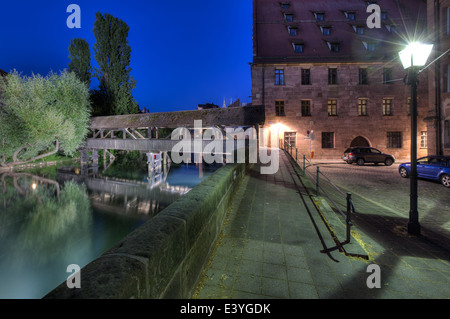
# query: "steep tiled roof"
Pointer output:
{"type": "Point", "coordinates": [273, 42]}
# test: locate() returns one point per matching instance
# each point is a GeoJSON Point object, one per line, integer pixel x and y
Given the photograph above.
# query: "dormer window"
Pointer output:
{"type": "Point", "coordinates": [334, 46]}
{"type": "Point", "coordinates": [350, 15]}
{"type": "Point", "coordinates": [391, 28]}
{"type": "Point", "coordinates": [288, 17]}
{"type": "Point", "coordinates": [293, 31]}
{"type": "Point", "coordinates": [320, 16]}
{"type": "Point", "coordinates": [384, 15]}
{"type": "Point", "coordinates": [325, 30]}
{"type": "Point", "coordinates": [285, 5]}
{"type": "Point", "coordinates": [370, 46]}
{"type": "Point", "coordinates": [298, 47]}
{"type": "Point", "coordinates": [359, 29]}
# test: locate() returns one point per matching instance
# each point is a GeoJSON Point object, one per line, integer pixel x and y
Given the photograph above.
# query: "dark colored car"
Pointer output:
{"type": "Point", "coordinates": [362, 154]}
{"type": "Point", "coordinates": [436, 168]}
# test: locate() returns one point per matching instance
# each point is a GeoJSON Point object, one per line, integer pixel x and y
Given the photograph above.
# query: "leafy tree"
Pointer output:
{"type": "Point", "coordinates": [80, 60]}
{"type": "Point", "coordinates": [41, 116]}
{"type": "Point", "coordinates": [113, 53]}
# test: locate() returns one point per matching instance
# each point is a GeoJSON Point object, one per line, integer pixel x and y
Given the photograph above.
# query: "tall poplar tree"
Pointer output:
{"type": "Point", "coordinates": [113, 54]}
{"type": "Point", "coordinates": [80, 60]}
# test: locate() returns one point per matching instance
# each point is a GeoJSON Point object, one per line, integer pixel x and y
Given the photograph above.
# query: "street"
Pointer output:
{"type": "Point", "coordinates": [386, 192]}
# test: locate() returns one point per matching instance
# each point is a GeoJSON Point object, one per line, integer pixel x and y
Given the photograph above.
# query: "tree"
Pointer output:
{"type": "Point", "coordinates": [42, 116]}
{"type": "Point", "coordinates": [113, 53]}
{"type": "Point", "coordinates": [80, 60]}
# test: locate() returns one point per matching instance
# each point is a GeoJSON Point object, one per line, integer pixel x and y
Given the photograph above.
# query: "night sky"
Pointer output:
{"type": "Point", "coordinates": [184, 52]}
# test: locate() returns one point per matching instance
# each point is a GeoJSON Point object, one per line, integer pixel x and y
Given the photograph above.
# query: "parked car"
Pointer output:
{"type": "Point", "coordinates": [436, 168]}
{"type": "Point", "coordinates": [362, 154]}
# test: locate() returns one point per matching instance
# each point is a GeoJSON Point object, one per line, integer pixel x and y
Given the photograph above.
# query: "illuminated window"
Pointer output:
{"type": "Point", "coordinates": [289, 138]}
{"type": "Point", "coordinates": [332, 107]}
{"type": "Point", "coordinates": [387, 107]}
{"type": "Point", "coordinates": [423, 139]}
{"type": "Point", "coordinates": [362, 107]}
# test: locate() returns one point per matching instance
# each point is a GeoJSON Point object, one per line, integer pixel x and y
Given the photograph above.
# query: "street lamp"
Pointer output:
{"type": "Point", "coordinates": [413, 57]}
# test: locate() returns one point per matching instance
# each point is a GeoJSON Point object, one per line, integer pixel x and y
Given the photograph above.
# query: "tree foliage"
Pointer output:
{"type": "Point", "coordinates": [113, 55]}
{"type": "Point", "coordinates": [80, 60]}
{"type": "Point", "coordinates": [40, 116]}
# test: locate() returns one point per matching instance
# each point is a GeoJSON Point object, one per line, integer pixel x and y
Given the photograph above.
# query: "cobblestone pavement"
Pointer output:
{"type": "Point", "coordinates": [383, 187]}
{"type": "Point", "coordinates": [275, 244]}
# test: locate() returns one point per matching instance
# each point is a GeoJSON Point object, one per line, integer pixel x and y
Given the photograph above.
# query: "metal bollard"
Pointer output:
{"type": "Point", "coordinates": [349, 212]}
{"type": "Point", "coordinates": [317, 180]}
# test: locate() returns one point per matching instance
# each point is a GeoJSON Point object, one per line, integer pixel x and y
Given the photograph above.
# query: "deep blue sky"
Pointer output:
{"type": "Point", "coordinates": [184, 52]}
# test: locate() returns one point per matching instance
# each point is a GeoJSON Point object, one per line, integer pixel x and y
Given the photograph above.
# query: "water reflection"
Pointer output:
{"type": "Point", "coordinates": [54, 217]}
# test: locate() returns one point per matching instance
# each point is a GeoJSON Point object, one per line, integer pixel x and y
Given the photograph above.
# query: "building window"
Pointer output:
{"type": "Point", "coordinates": [289, 138]}
{"type": "Point", "coordinates": [279, 108]}
{"type": "Point", "coordinates": [293, 31]}
{"type": "Point", "coordinates": [359, 29]}
{"type": "Point", "coordinates": [384, 15]}
{"type": "Point", "coordinates": [387, 107]}
{"type": "Point", "coordinates": [332, 107]}
{"type": "Point", "coordinates": [394, 139]}
{"type": "Point", "coordinates": [327, 139]}
{"type": "Point", "coordinates": [285, 5]}
{"type": "Point", "coordinates": [363, 76]}
{"type": "Point", "coordinates": [334, 46]}
{"type": "Point", "coordinates": [448, 78]}
{"type": "Point", "coordinates": [306, 77]}
{"type": "Point", "coordinates": [448, 20]}
{"type": "Point", "coordinates": [370, 46]}
{"type": "Point", "coordinates": [350, 15]}
{"type": "Point", "coordinates": [306, 107]}
{"type": "Point", "coordinates": [288, 17]}
{"type": "Point", "coordinates": [387, 75]}
{"type": "Point", "coordinates": [362, 107]}
{"type": "Point", "coordinates": [332, 76]}
{"type": "Point", "coordinates": [279, 77]}
{"type": "Point", "coordinates": [320, 16]}
{"type": "Point", "coordinates": [325, 30]}
{"type": "Point", "coordinates": [423, 139]}
{"type": "Point", "coordinates": [298, 47]}
{"type": "Point", "coordinates": [447, 134]}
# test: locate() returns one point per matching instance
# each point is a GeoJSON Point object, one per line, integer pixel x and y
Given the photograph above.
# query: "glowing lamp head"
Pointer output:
{"type": "Point", "coordinates": [415, 54]}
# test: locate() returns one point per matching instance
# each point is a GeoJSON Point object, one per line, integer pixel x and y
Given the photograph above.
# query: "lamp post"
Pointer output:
{"type": "Point", "coordinates": [415, 55]}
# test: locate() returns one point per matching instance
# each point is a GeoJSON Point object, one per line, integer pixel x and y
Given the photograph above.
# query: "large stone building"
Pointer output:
{"type": "Point", "coordinates": [319, 68]}
{"type": "Point", "coordinates": [439, 75]}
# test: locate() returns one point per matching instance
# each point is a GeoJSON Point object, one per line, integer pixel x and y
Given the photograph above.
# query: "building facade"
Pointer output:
{"type": "Point", "coordinates": [329, 79]}
{"type": "Point", "coordinates": [438, 119]}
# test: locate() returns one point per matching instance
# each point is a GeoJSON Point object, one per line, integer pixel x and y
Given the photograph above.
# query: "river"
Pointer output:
{"type": "Point", "coordinates": [53, 217]}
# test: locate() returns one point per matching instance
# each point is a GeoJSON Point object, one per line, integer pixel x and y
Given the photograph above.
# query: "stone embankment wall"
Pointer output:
{"type": "Point", "coordinates": [165, 257]}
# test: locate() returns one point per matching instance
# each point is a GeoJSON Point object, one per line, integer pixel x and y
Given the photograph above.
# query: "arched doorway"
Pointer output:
{"type": "Point", "coordinates": [360, 141]}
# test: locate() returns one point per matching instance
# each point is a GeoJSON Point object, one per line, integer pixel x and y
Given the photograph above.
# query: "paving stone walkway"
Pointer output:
{"type": "Point", "coordinates": [275, 245]}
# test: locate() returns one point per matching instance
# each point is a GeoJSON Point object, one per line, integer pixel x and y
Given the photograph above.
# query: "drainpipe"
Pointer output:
{"type": "Point", "coordinates": [437, 79]}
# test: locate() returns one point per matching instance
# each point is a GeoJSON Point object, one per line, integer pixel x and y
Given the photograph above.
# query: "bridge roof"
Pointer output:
{"type": "Point", "coordinates": [232, 116]}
